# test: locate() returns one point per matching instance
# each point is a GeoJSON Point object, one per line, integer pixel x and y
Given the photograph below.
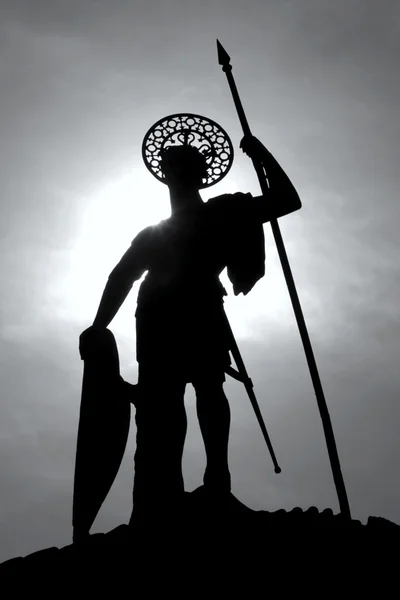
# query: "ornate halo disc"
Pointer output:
{"type": "Point", "coordinates": [189, 129]}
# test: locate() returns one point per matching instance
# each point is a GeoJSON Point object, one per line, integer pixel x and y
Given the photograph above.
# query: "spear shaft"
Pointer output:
{"type": "Point", "coordinates": [224, 61]}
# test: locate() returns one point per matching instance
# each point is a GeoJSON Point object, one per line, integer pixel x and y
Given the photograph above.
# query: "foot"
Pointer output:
{"type": "Point", "coordinates": [166, 514]}
{"type": "Point", "coordinates": [217, 479]}
{"type": "Point", "coordinates": [212, 498]}
{"type": "Point", "coordinates": [79, 536]}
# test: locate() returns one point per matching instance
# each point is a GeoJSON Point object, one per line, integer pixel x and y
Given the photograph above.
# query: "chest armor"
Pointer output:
{"type": "Point", "coordinates": [186, 258]}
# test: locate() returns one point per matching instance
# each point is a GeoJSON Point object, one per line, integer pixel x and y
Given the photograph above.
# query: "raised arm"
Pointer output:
{"type": "Point", "coordinates": [282, 198]}
{"type": "Point", "coordinates": [120, 281]}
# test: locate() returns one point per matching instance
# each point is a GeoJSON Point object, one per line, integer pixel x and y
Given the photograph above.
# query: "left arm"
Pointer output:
{"type": "Point", "coordinates": [120, 281]}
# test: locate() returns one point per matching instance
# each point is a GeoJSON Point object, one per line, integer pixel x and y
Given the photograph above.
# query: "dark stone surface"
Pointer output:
{"type": "Point", "coordinates": [208, 535]}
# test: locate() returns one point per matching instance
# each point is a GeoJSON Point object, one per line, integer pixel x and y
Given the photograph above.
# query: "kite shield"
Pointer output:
{"type": "Point", "coordinates": [103, 426]}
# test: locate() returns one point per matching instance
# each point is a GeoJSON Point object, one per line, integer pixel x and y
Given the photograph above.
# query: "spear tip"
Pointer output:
{"type": "Point", "coordinates": [223, 57]}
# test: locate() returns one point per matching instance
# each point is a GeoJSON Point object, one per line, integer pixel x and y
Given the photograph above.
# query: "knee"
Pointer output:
{"type": "Point", "coordinates": [207, 390]}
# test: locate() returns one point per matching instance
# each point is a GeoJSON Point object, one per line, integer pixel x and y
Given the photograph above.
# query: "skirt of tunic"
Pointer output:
{"type": "Point", "coordinates": [185, 341]}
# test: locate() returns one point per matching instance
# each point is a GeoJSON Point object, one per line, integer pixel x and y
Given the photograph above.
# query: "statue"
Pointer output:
{"type": "Point", "coordinates": [182, 331]}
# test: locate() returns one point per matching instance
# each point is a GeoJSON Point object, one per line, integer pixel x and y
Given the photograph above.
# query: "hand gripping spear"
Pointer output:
{"type": "Point", "coordinates": [224, 60]}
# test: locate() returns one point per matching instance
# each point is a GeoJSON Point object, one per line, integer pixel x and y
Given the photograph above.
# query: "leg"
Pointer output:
{"type": "Point", "coordinates": [161, 431]}
{"type": "Point", "coordinates": [214, 418]}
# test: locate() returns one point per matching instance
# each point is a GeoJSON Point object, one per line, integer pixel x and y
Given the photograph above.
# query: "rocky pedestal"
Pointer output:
{"type": "Point", "coordinates": [210, 542]}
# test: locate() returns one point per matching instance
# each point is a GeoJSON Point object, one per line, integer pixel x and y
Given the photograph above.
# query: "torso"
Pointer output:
{"type": "Point", "coordinates": [187, 254]}
{"type": "Point", "coordinates": [180, 318]}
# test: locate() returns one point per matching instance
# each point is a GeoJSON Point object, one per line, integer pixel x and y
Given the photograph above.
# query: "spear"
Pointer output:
{"type": "Point", "coordinates": [225, 61]}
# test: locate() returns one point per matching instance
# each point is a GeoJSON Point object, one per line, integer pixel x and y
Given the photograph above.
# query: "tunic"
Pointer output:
{"type": "Point", "coordinates": [180, 323]}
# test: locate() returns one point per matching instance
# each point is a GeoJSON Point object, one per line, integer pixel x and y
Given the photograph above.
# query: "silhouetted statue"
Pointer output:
{"type": "Point", "coordinates": [180, 322]}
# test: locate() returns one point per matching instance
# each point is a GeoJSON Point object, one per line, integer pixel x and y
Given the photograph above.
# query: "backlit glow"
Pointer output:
{"type": "Point", "coordinates": [111, 218]}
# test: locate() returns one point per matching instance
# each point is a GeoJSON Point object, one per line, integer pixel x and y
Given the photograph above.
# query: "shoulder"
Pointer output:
{"type": "Point", "coordinates": [145, 236]}
{"type": "Point", "coordinates": [232, 206]}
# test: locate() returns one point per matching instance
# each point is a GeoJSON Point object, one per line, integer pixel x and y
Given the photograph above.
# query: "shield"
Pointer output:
{"type": "Point", "coordinates": [103, 426]}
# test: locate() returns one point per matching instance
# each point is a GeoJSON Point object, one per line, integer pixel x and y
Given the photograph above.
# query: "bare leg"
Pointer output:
{"type": "Point", "coordinates": [161, 431]}
{"type": "Point", "coordinates": [214, 418]}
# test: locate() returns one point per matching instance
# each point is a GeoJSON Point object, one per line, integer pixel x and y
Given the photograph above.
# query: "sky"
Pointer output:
{"type": "Point", "coordinates": [82, 81]}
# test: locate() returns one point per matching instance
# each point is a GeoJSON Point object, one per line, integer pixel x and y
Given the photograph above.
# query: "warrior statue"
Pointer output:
{"type": "Point", "coordinates": [181, 327]}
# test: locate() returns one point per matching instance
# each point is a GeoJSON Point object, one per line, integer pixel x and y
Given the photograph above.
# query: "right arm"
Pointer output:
{"type": "Point", "coordinates": [121, 279]}
{"type": "Point", "coordinates": [282, 197]}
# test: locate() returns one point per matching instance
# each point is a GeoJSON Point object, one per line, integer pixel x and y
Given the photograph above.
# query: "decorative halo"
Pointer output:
{"type": "Point", "coordinates": [188, 129]}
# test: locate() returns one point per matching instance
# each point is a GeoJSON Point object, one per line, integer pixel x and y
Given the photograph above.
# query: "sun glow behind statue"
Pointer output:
{"type": "Point", "coordinates": [111, 218]}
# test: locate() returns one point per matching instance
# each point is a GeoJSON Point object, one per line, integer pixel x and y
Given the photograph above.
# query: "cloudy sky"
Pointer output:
{"type": "Point", "coordinates": [81, 83]}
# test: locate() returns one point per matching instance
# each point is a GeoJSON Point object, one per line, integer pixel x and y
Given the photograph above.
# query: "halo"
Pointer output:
{"type": "Point", "coordinates": [189, 129]}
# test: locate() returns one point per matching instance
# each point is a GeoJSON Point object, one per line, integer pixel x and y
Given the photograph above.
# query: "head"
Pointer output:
{"type": "Point", "coordinates": [183, 167]}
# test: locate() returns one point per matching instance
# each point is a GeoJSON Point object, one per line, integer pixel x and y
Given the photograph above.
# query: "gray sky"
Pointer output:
{"type": "Point", "coordinates": [81, 82]}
